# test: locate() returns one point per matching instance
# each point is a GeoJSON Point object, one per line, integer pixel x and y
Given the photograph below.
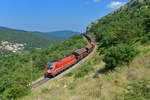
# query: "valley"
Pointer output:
{"type": "Point", "coordinates": [13, 40]}
{"type": "Point", "coordinates": [117, 69]}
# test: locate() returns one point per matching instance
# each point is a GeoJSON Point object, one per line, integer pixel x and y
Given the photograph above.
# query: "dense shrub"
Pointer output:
{"type": "Point", "coordinates": [14, 92]}
{"type": "Point", "coordinates": [117, 55]}
{"type": "Point", "coordinates": [6, 82]}
{"type": "Point", "coordinates": [12, 87]}
{"type": "Point", "coordinates": [83, 71]}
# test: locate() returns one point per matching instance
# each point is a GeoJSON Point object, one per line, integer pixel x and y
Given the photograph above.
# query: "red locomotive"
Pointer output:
{"type": "Point", "coordinates": [55, 67]}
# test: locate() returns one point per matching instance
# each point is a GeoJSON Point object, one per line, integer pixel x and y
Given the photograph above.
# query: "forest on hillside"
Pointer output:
{"type": "Point", "coordinates": [129, 25]}
{"type": "Point", "coordinates": [120, 36]}
{"type": "Point", "coordinates": [15, 69]}
{"type": "Point", "coordinates": [27, 40]}
{"type": "Point", "coordinates": [126, 27]}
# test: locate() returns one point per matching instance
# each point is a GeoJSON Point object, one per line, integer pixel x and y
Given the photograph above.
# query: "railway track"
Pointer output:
{"type": "Point", "coordinates": [44, 80]}
{"type": "Point", "coordinates": [40, 82]}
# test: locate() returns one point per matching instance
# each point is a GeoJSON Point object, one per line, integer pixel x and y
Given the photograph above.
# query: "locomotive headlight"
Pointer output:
{"type": "Point", "coordinates": [50, 71]}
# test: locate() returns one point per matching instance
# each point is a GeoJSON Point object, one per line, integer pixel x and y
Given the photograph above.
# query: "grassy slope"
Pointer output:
{"type": "Point", "coordinates": [105, 86]}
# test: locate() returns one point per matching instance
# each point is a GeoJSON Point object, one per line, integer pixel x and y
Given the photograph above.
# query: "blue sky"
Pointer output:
{"type": "Point", "coordinates": [53, 15]}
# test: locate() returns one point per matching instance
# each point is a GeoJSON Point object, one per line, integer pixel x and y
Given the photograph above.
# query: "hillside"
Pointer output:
{"type": "Point", "coordinates": [15, 69]}
{"type": "Point", "coordinates": [90, 82]}
{"type": "Point", "coordinates": [62, 34]}
{"type": "Point", "coordinates": [119, 70]}
{"type": "Point", "coordinates": [30, 40]}
{"type": "Point", "coordinates": [129, 24]}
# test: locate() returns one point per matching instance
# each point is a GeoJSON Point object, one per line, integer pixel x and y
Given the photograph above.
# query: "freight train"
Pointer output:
{"type": "Point", "coordinates": [55, 67]}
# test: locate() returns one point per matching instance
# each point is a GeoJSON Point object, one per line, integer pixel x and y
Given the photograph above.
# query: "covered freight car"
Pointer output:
{"type": "Point", "coordinates": [89, 48]}
{"type": "Point", "coordinates": [93, 44]}
{"type": "Point", "coordinates": [80, 53]}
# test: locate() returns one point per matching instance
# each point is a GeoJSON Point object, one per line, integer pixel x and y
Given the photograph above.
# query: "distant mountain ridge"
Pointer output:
{"type": "Point", "coordinates": [2, 28]}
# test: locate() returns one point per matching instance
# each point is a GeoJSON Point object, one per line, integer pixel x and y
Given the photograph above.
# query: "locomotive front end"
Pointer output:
{"type": "Point", "coordinates": [49, 70]}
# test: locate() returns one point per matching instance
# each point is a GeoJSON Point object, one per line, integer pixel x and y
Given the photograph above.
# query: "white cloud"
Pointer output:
{"type": "Point", "coordinates": [115, 5]}
{"type": "Point", "coordinates": [96, 1]}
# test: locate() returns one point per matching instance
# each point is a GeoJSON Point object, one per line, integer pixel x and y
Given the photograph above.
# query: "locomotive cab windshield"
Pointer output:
{"type": "Point", "coordinates": [50, 66]}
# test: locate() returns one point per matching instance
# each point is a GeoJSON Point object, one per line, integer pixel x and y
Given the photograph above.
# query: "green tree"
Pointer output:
{"type": "Point", "coordinates": [117, 55]}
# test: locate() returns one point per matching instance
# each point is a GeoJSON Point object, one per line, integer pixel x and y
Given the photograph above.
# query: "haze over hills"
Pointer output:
{"type": "Point", "coordinates": [62, 34]}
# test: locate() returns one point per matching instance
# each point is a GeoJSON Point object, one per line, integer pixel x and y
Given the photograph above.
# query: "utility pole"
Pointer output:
{"type": "Point", "coordinates": [31, 72]}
